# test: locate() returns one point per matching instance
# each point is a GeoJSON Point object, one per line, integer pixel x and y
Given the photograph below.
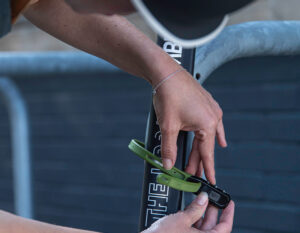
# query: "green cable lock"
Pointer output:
{"type": "Point", "coordinates": [173, 178]}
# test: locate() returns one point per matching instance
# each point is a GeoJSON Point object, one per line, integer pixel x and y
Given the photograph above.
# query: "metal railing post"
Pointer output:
{"type": "Point", "coordinates": [22, 64]}
{"type": "Point", "coordinates": [22, 181]}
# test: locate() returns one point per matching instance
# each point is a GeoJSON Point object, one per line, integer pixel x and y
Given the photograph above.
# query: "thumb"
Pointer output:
{"type": "Point", "coordinates": [197, 208]}
{"type": "Point", "coordinates": [169, 148]}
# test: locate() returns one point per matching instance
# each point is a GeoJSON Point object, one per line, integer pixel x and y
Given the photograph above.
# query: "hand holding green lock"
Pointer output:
{"type": "Point", "coordinates": [181, 180]}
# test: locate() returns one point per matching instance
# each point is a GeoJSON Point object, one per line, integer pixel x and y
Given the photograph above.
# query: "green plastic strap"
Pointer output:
{"type": "Point", "coordinates": [174, 177]}
{"type": "Point", "coordinates": [178, 184]}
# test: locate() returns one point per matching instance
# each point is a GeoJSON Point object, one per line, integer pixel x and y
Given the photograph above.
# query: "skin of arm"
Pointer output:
{"type": "Point", "coordinates": [180, 103]}
{"type": "Point", "coordinates": [13, 224]}
{"type": "Point", "coordinates": [107, 36]}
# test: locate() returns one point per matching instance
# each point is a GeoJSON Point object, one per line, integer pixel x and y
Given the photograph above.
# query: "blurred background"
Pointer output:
{"type": "Point", "coordinates": [84, 175]}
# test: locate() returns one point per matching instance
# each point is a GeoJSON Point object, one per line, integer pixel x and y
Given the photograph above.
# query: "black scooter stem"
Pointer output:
{"type": "Point", "coordinates": [160, 200]}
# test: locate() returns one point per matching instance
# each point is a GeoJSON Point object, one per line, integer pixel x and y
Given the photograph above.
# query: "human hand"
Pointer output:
{"type": "Point", "coordinates": [182, 104]}
{"type": "Point", "coordinates": [191, 221]}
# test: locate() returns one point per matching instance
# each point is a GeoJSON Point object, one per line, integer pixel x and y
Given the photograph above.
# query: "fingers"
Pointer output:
{"type": "Point", "coordinates": [221, 134]}
{"type": "Point", "coordinates": [210, 219]}
{"type": "Point", "coordinates": [228, 214]}
{"type": "Point", "coordinates": [196, 209]}
{"type": "Point", "coordinates": [206, 149]}
{"type": "Point", "coordinates": [169, 147]}
{"type": "Point", "coordinates": [194, 159]}
{"type": "Point", "coordinates": [195, 166]}
{"type": "Point", "coordinates": [199, 169]}
{"type": "Point", "coordinates": [226, 220]}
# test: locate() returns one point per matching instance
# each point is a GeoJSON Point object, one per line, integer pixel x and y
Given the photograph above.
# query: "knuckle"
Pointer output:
{"type": "Point", "coordinates": [167, 128]}
{"type": "Point", "coordinates": [212, 124]}
{"type": "Point", "coordinates": [220, 113]}
{"type": "Point", "coordinates": [201, 135]}
{"type": "Point", "coordinates": [208, 94]}
{"type": "Point", "coordinates": [208, 157]}
{"type": "Point", "coordinates": [217, 110]}
{"type": "Point", "coordinates": [167, 151]}
{"type": "Point", "coordinates": [164, 127]}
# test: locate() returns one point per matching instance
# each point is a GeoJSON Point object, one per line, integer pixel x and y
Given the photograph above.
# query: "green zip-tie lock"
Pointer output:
{"type": "Point", "coordinates": [174, 177]}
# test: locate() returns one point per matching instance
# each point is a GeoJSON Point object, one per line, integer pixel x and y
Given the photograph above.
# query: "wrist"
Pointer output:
{"type": "Point", "coordinates": [154, 88]}
{"type": "Point", "coordinates": [159, 67]}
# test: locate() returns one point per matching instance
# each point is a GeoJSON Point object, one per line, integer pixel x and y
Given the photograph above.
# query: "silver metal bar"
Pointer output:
{"type": "Point", "coordinates": [20, 147]}
{"type": "Point", "coordinates": [261, 38]}
{"type": "Point", "coordinates": [51, 63]}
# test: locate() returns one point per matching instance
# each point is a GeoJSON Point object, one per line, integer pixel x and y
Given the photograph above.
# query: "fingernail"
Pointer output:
{"type": "Point", "coordinates": [167, 163]}
{"type": "Point", "coordinates": [202, 198]}
{"type": "Point", "coordinates": [213, 182]}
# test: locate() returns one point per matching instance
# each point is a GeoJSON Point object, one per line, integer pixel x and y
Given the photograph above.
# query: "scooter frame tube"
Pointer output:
{"type": "Point", "coordinates": [160, 200]}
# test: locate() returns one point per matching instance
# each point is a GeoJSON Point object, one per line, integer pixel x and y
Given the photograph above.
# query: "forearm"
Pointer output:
{"type": "Point", "coordinates": [112, 38]}
{"type": "Point", "coordinates": [10, 223]}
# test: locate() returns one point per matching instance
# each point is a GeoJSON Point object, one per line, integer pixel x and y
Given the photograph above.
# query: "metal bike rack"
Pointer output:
{"type": "Point", "coordinates": [243, 40]}
{"type": "Point", "coordinates": [34, 64]}
{"type": "Point", "coordinates": [20, 147]}
{"type": "Point", "coordinates": [51, 63]}
{"type": "Point", "coordinates": [262, 38]}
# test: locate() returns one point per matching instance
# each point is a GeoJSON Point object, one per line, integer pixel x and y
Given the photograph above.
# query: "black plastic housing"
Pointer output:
{"type": "Point", "coordinates": [216, 196]}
